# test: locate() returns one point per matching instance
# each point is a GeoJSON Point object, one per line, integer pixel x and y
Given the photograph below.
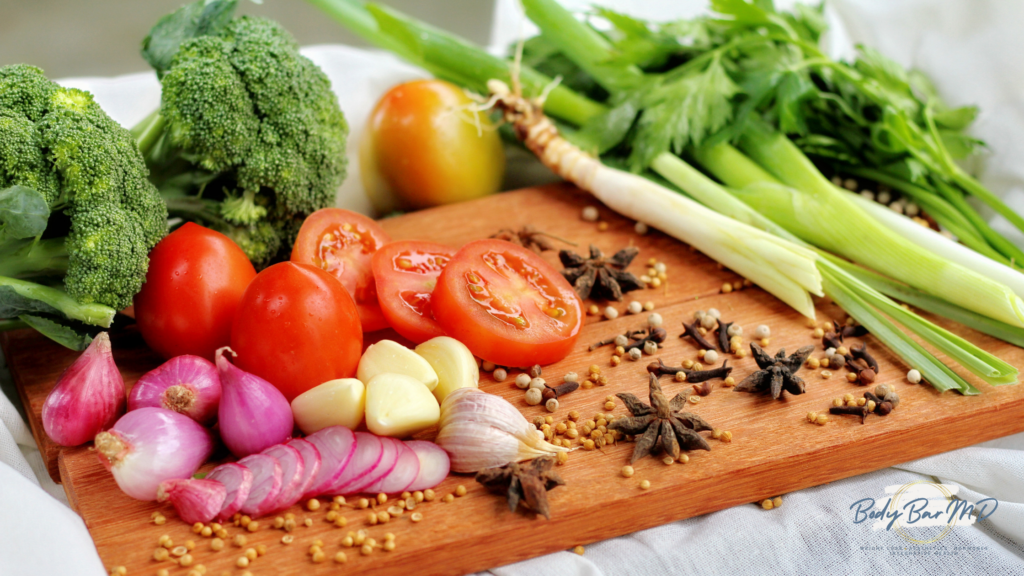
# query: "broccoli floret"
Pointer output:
{"type": "Point", "coordinates": [245, 121]}
{"type": "Point", "coordinates": [64, 162]}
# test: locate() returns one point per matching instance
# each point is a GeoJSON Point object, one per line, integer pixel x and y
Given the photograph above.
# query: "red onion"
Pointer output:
{"type": "Point", "coordinates": [434, 465]}
{"type": "Point", "coordinates": [88, 398]}
{"type": "Point", "coordinates": [292, 475]}
{"type": "Point", "coordinates": [365, 459]}
{"type": "Point", "coordinates": [253, 414]}
{"type": "Point", "coordinates": [311, 461]}
{"type": "Point", "coordinates": [150, 445]}
{"type": "Point", "coordinates": [388, 459]}
{"type": "Point", "coordinates": [337, 445]}
{"type": "Point", "coordinates": [266, 484]}
{"type": "Point", "coordinates": [186, 384]}
{"type": "Point", "coordinates": [237, 480]}
{"type": "Point", "coordinates": [195, 500]}
{"type": "Point", "coordinates": [407, 468]}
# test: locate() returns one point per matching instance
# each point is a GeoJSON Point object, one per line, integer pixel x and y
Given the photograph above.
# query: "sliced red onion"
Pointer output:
{"type": "Point", "coordinates": [337, 445]}
{"type": "Point", "coordinates": [237, 480]}
{"type": "Point", "coordinates": [195, 500]}
{"type": "Point", "coordinates": [266, 484]}
{"type": "Point", "coordinates": [434, 465]}
{"type": "Point", "coordinates": [185, 384]}
{"type": "Point", "coordinates": [388, 459]}
{"type": "Point", "coordinates": [88, 398]}
{"type": "Point", "coordinates": [310, 462]}
{"type": "Point", "coordinates": [253, 414]}
{"type": "Point", "coordinates": [407, 468]}
{"type": "Point", "coordinates": [292, 474]}
{"type": "Point", "coordinates": [365, 459]}
{"type": "Point", "coordinates": [150, 445]}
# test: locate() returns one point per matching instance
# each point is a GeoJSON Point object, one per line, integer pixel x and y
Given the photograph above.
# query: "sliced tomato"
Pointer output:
{"type": "Point", "coordinates": [406, 273]}
{"type": "Point", "coordinates": [342, 242]}
{"type": "Point", "coordinates": [507, 305]}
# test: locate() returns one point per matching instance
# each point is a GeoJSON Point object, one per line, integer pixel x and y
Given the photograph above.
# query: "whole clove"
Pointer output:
{"type": "Point", "coordinates": [861, 353]}
{"type": "Point", "coordinates": [831, 340]}
{"type": "Point", "coordinates": [844, 331]}
{"type": "Point", "coordinates": [861, 411]}
{"type": "Point", "coordinates": [723, 336]}
{"type": "Point", "coordinates": [704, 389]}
{"type": "Point", "coordinates": [659, 368]}
{"type": "Point", "coordinates": [657, 335]}
{"type": "Point", "coordinates": [629, 335]}
{"type": "Point", "coordinates": [556, 391]}
{"type": "Point", "coordinates": [693, 331]}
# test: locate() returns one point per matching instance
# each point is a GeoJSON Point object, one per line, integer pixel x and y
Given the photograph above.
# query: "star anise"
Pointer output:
{"type": "Point", "coordinates": [599, 277]}
{"type": "Point", "coordinates": [776, 374]}
{"type": "Point", "coordinates": [529, 237]}
{"type": "Point", "coordinates": [525, 484]}
{"type": "Point", "coordinates": [660, 425]}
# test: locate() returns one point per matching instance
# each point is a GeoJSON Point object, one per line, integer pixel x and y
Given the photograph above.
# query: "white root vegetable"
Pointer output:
{"type": "Point", "coordinates": [783, 268]}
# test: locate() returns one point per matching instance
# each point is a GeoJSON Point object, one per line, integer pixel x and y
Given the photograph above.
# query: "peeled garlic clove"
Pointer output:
{"type": "Point", "coordinates": [337, 402]}
{"type": "Point", "coordinates": [453, 363]}
{"type": "Point", "coordinates": [398, 405]}
{"type": "Point", "coordinates": [389, 357]}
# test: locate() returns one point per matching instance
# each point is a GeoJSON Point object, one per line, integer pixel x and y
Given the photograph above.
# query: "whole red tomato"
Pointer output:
{"type": "Point", "coordinates": [195, 281]}
{"type": "Point", "coordinates": [297, 327]}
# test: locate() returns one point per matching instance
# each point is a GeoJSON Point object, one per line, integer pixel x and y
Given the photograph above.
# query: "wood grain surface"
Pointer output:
{"type": "Point", "coordinates": [774, 449]}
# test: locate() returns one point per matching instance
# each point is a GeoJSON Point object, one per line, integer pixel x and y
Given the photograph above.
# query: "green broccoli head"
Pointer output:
{"type": "Point", "coordinates": [242, 102]}
{"type": "Point", "coordinates": [59, 142]}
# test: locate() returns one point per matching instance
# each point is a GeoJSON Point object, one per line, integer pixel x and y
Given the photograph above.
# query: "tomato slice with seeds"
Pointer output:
{"type": "Point", "coordinates": [507, 305]}
{"type": "Point", "coordinates": [342, 243]}
{"type": "Point", "coordinates": [406, 273]}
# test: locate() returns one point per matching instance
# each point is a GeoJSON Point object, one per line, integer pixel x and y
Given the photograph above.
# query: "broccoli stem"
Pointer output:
{"type": "Point", "coordinates": [28, 258]}
{"type": "Point", "coordinates": [95, 314]}
{"type": "Point", "coordinates": [148, 132]}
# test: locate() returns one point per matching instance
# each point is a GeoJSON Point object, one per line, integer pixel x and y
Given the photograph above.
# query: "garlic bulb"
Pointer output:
{"type": "Point", "coordinates": [480, 430]}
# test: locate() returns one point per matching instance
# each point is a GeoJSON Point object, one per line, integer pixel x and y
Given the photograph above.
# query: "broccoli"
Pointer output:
{"type": "Point", "coordinates": [75, 205]}
{"type": "Point", "coordinates": [249, 138]}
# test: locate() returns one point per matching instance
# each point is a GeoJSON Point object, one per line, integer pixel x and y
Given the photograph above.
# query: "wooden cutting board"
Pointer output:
{"type": "Point", "coordinates": [774, 449]}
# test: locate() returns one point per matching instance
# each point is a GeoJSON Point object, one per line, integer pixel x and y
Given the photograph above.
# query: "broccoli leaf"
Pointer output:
{"type": "Point", "coordinates": [62, 334]}
{"type": "Point", "coordinates": [201, 18]}
{"type": "Point", "coordinates": [14, 303]}
{"type": "Point", "coordinates": [23, 212]}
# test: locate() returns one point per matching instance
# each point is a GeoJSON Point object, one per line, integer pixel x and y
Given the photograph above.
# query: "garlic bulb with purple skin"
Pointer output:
{"type": "Point", "coordinates": [185, 384]}
{"type": "Point", "coordinates": [88, 398]}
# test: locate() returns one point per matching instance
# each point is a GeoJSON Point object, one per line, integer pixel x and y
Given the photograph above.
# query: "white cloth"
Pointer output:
{"type": "Point", "coordinates": [971, 48]}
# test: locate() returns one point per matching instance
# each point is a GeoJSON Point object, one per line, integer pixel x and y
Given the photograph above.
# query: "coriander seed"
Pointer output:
{"type": "Point", "coordinates": [645, 484]}
{"type": "Point", "coordinates": [340, 558]}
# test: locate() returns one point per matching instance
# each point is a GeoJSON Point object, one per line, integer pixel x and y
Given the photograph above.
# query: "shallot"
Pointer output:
{"type": "Point", "coordinates": [186, 384]}
{"type": "Point", "coordinates": [266, 484]}
{"type": "Point", "coordinates": [292, 475]}
{"type": "Point", "coordinates": [253, 414]}
{"type": "Point", "coordinates": [434, 465]}
{"type": "Point", "coordinates": [195, 500]}
{"type": "Point", "coordinates": [88, 398]}
{"type": "Point", "coordinates": [336, 445]}
{"type": "Point", "coordinates": [150, 445]}
{"type": "Point", "coordinates": [237, 481]}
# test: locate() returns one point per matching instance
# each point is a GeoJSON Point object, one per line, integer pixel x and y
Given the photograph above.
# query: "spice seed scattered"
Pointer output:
{"type": "Point", "coordinates": [340, 558]}
{"type": "Point", "coordinates": [645, 484]}
{"type": "Point", "coordinates": [767, 504]}
{"type": "Point", "coordinates": [914, 376]}
{"type": "Point", "coordinates": [590, 214]}
{"type": "Point", "coordinates": [627, 471]}
{"type": "Point", "coordinates": [578, 550]}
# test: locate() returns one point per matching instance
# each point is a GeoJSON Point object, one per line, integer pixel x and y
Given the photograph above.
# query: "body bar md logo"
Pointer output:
{"type": "Point", "coordinates": [922, 512]}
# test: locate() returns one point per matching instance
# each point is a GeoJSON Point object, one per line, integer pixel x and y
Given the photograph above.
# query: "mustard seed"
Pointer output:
{"type": "Point", "coordinates": [308, 522]}
{"type": "Point", "coordinates": [216, 544]}
{"type": "Point", "coordinates": [366, 550]}
{"type": "Point", "coordinates": [206, 531]}
{"type": "Point", "coordinates": [313, 505]}
{"type": "Point", "coordinates": [428, 495]}
{"type": "Point", "coordinates": [319, 557]}
{"type": "Point", "coordinates": [340, 558]}
{"type": "Point", "coordinates": [197, 527]}
{"type": "Point", "coordinates": [382, 498]}
{"type": "Point", "coordinates": [239, 540]}
{"type": "Point", "coordinates": [250, 553]}
{"type": "Point", "coordinates": [645, 484]}
{"type": "Point", "coordinates": [242, 562]}
{"type": "Point", "coordinates": [460, 490]}
{"type": "Point", "coordinates": [767, 504]}
{"type": "Point", "coordinates": [160, 554]}
{"type": "Point", "coordinates": [578, 550]}
{"type": "Point", "coordinates": [627, 471]}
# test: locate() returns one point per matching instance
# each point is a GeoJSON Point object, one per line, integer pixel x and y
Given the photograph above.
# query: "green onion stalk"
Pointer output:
{"type": "Point", "coordinates": [866, 298]}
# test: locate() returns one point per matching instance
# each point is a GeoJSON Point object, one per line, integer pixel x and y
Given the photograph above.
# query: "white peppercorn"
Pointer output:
{"type": "Point", "coordinates": [713, 312]}
{"type": "Point", "coordinates": [539, 383]}
{"type": "Point", "coordinates": [621, 340]}
{"type": "Point", "coordinates": [534, 396]}
{"type": "Point", "coordinates": [571, 377]}
{"type": "Point", "coordinates": [551, 404]}
{"type": "Point", "coordinates": [735, 330]}
{"type": "Point", "coordinates": [611, 313]}
{"type": "Point", "coordinates": [641, 228]}
{"type": "Point", "coordinates": [635, 307]}
{"type": "Point", "coordinates": [500, 374]}
{"type": "Point", "coordinates": [523, 381]}
{"type": "Point", "coordinates": [708, 322]}
{"type": "Point", "coordinates": [762, 331]}
{"type": "Point", "coordinates": [590, 214]}
{"type": "Point", "coordinates": [634, 354]}
{"type": "Point", "coordinates": [711, 356]}
{"type": "Point", "coordinates": [654, 320]}
{"type": "Point", "coordinates": [914, 376]}
{"type": "Point", "coordinates": [650, 347]}
{"type": "Point", "coordinates": [487, 366]}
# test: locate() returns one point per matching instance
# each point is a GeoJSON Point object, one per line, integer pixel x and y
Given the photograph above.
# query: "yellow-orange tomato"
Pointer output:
{"type": "Point", "coordinates": [423, 148]}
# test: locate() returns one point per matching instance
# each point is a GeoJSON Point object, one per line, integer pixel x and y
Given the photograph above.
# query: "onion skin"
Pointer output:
{"type": "Point", "coordinates": [185, 384]}
{"type": "Point", "coordinates": [150, 445]}
{"type": "Point", "coordinates": [88, 397]}
{"type": "Point", "coordinates": [195, 500]}
{"type": "Point", "coordinates": [253, 414]}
